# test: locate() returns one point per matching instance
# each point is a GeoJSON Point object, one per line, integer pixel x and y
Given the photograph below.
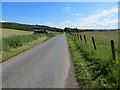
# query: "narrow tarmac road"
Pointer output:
{"type": "Point", "coordinates": [46, 66]}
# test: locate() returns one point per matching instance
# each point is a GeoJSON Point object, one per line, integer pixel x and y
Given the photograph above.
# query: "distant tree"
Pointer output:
{"type": "Point", "coordinates": [66, 29]}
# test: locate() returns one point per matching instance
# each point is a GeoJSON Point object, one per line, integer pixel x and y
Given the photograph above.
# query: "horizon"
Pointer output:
{"type": "Point", "coordinates": [61, 28]}
{"type": "Point", "coordinates": [83, 15]}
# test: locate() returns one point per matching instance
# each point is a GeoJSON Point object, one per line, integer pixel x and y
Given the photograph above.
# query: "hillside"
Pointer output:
{"type": "Point", "coordinates": [26, 27]}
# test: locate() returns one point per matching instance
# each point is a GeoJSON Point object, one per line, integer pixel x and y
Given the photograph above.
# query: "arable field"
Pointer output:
{"type": "Point", "coordinates": [95, 68]}
{"type": "Point", "coordinates": [14, 32]}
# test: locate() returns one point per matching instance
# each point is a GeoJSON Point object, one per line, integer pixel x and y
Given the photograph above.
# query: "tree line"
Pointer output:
{"type": "Point", "coordinates": [76, 30]}
{"type": "Point", "coordinates": [27, 27]}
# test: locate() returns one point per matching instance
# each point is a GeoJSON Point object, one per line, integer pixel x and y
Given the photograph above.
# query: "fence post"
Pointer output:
{"type": "Point", "coordinates": [85, 39]}
{"type": "Point", "coordinates": [80, 37]}
{"type": "Point", "coordinates": [93, 40]}
{"type": "Point", "coordinates": [76, 35]}
{"type": "Point", "coordinates": [113, 49]}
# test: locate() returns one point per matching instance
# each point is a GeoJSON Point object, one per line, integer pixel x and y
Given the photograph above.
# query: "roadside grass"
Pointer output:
{"type": "Point", "coordinates": [15, 45]}
{"type": "Point", "coordinates": [16, 41]}
{"type": "Point", "coordinates": [14, 32]}
{"type": "Point", "coordinates": [94, 69]}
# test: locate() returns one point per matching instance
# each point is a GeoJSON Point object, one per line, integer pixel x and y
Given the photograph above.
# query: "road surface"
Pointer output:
{"type": "Point", "coordinates": [45, 66]}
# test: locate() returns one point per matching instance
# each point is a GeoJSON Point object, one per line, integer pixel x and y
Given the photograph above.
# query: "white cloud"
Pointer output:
{"type": "Point", "coordinates": [67, 9]}
{"type": "Point", "coordinates": [78, 14]}
{"type": "Point", "coordinates": [101, 20]}
{"type": "Point", "coordinates": [2, 21]}
{"type": "Point", "coordinates": [102, 13]}
{"type": "Point", "coordinates": [65, 23]}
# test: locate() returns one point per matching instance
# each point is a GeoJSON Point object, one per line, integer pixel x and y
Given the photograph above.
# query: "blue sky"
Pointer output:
{"type": "Point", "coordinates": [62, 14]}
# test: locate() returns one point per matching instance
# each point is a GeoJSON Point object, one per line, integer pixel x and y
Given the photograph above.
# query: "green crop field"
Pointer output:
{"type": "Point", "coordinates": [14, 32]}
{"type": "Point", "coordinates": [95, 68]}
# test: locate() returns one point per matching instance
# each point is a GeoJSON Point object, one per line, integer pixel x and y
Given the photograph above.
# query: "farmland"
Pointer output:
{"type": "Point", "coordinates": [14, 32]}
{"type": "Point", "coordinates": [102, 36]}
{"type": "Point", "coordinates": [95, 68]}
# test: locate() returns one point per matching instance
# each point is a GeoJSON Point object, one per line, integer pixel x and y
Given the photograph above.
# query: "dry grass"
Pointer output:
{"type": "Point", "coordinates": [13, 32]}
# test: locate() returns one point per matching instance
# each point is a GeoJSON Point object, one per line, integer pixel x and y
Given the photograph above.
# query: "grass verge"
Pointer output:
{"type": "Point", "coordinates": [93, 70]}
{"type": "Point", "coordinates": [18, 44]}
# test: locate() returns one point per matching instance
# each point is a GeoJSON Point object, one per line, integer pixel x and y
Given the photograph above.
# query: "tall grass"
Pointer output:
{"type": "Point", "coordinates": [15, 45]}
{"type": "Point", "coordinates": [16, 41]}
{"type": "Point", "coordinates": [100, 71]}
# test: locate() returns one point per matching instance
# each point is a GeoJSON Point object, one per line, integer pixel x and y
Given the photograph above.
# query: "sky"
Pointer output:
{"type": "Point", "coordinates": [84, 15]}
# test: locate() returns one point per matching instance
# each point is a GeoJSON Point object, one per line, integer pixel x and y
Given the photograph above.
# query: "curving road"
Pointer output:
{"type": "Point", "coordinates": [45, 66]}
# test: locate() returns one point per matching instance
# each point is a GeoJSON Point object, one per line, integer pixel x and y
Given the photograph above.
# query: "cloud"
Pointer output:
{"type": "Point", "coordinates": [102, 13]}
{"type": "Point", "coordinates": [104, 19]}
{"type": "Point", "coordinates": [78, 14]}
{"type": "Point", "coordinates": [2, 21]}
{"type": "Point", "coordinates": [65, 23]}
{"type": "Point", "coordinates": [67, 9]}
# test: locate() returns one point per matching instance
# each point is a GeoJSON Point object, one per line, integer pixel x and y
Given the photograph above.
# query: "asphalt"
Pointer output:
{"type": "Point", "coordinates": [46, 66]}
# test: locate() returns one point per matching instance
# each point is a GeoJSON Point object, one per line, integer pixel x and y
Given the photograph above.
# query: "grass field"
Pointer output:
{"type": "Point", "coordinates": [95, 68]}
{"type": "Point", "coordinates": [102, 40]}
{"type": "Point", "coordinates": [102, 36]}
{"type": "Point", "coordinates": [14, 32]}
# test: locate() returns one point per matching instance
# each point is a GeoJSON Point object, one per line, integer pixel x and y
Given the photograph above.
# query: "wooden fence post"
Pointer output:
{"type": "Point", "coordinates": [113, 49]}
{"type": "Point", "coordinates": [93, 40]}
{"type": "Point", "coordinates": [76, 35]}
{"type": "Point", "coordinates": [85, 39]}
{"type": "Point", "coordinates": [80, 37]}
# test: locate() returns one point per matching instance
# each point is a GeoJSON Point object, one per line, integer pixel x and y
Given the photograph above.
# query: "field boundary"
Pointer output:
{"type": "Point", "coordinates": [112, 43]}
{"type": "Point", "coordinates": [92, 70]}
